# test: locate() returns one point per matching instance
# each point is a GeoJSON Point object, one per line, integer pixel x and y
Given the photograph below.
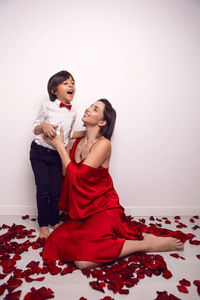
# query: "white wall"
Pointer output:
{"type": "Point", "coordinates": [141, 55]}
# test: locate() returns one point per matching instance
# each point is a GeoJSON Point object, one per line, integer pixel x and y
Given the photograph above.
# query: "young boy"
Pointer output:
{"type": "Point", "coordinates": [45, 160]}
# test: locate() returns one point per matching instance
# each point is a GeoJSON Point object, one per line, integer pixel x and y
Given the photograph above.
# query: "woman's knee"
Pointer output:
{"type": "Point", "coordinates": [85, 264]}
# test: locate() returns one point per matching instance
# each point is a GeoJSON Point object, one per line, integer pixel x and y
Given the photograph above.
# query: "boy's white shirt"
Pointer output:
{"type": "Point", "coordinates": [52, 113]}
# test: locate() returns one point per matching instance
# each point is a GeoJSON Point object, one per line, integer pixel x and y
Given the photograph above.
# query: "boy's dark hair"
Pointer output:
{"type": "Point", "coordinates": [109, 115]}
{"type": "Point", "coordinates": [54, 81]}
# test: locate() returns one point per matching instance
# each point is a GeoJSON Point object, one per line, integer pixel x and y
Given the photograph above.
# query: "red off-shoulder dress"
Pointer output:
{"type": "Point", "coordinates": [97, 228]}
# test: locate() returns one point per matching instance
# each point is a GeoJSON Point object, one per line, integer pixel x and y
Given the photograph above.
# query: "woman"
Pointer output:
{"type": "Point", "coordinates": [97, 231]}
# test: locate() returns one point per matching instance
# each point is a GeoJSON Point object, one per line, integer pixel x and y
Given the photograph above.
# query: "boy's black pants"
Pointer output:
{"type": "Point", "coordinates": [47, 168]}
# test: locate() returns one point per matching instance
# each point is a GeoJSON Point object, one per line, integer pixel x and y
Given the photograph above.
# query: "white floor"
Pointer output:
{"type": "Point", "coordinates": [75, 285]}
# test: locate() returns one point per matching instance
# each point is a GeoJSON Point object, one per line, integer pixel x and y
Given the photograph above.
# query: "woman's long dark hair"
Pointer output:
{"type": "Point", "coordinates": [109, 115]}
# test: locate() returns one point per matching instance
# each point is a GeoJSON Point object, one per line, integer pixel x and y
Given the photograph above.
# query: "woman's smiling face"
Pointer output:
{"type": "Point", "coordinates": [94, 114]}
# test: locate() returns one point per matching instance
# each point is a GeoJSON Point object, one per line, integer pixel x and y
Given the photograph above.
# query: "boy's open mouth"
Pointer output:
{"type": "Point", "coordinates": [70, 92]}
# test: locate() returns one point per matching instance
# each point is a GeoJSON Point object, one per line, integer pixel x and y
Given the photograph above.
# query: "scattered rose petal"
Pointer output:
{"type": "Point", "coordinates": [194, 242]}
{"type": "Point", "coordinates": [185, 282]}
{"type": "Point", "coordinates": [196, 217]}
{"type": "Point", "coordinates": [182, 289]}
{"type": "Point", "coordinates": [167, 222]}
{"type": "Point", "coordinates": [25, 217]}
{"type": "Point", "coordinates": [167, 274]}
{"type": "Point", "coordinates": [2, 288]}
{"type": "Point", "coordinates": [198, 256]}
{"type": "Point", "coordinates": [164, 296]}
{"type": "Point", "coordinates": [196, 282]}
{"type": "Point", "coordinates": [176, 255]}
{"type": "Point", "coordinates": [13, 296]}
{"type": "Point", "coordinates": [13, 283]}
{"type": "Point", "coordinates": [97, 285]}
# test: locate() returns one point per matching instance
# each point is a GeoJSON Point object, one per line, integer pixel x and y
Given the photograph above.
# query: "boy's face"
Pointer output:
{"type": "Point", "coordinates": [66, 90]}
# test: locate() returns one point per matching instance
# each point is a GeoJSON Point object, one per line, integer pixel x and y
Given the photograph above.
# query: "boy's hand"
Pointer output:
{"type": "Point", "coordinates": [49, 130]}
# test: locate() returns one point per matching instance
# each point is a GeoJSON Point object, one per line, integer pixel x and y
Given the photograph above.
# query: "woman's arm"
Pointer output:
{"type": "Point", "coordinates": [78, 134]}
{"type": "Point", "coordinates": [99, 154]}
{"type": "Point", "coordinates": [58, 143]}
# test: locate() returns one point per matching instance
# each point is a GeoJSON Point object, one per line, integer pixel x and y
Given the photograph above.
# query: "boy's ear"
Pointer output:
{"type": "Point", "coordinates": [53, 92]}
{"type": "Point", "coordinates": [102, 123]}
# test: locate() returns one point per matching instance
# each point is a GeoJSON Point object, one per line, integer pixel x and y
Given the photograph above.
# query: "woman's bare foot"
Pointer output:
{"type": "Point", "coordinates": [56, 226]}
{"type": "Point", "coordinates": [156, 243]}
{"type": "Point", "coordinates": [44, 232]}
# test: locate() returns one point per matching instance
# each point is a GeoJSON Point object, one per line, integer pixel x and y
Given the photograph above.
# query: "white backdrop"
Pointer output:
{"type": "Point", "coordinates": [141, 55]}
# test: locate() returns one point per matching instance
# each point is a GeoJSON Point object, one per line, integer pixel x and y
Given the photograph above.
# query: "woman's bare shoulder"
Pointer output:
{"type": "Point", "coordinates": [103, 143]}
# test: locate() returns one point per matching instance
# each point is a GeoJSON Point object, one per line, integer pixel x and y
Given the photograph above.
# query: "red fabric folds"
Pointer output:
{"type": "Point", "coordinates": [86, 191]}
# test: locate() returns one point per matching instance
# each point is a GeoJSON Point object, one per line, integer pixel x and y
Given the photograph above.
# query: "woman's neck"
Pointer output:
{"type": "Point", "coordinates": [92, 134]}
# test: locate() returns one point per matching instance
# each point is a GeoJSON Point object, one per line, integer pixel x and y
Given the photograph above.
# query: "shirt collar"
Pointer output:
{"type": "Point", "coordinates": [57, 102]}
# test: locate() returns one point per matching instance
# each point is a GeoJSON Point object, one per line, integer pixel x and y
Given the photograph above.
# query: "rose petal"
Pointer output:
{"type": "Point", "coordinates": [185, 282]}
{"type": "Point", "coordinates": [2, 288]}
{"type": "Point", "coordinates": [25, 217]}
{"type": "Point", "coordinates": [167, 274]}
{"type": "Point", "coordinates": [174, 255]}
{"type": "Point", "coordinates": [97, 286]}
{"type": "Point", "coordinates": [13, 296]}
{"type": "Point", "coordinates": [13, 283]}
{"type": "Point", "coordinates": [196, 217]}
{"type": "Point", "coordinates": [164, 296]}
{"type": "Point", "coordinates": [182, 289]}
{"type": "Point", "coordinates": [196, 282]}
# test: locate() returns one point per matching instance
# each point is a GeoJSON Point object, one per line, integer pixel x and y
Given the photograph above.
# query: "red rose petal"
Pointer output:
{"type": "Point", "coordinates": [13, 283]}
{"type": "Point", "coordinates": [40, 278]}
{"type": "Point", "coordinates": [182, 289]}
{"type": "Point", "coordinates": [198, 256]}
{"type": "Point", "coordinates": [97, 286]}
{"type": "Point", "coordinates": [167, 274]}
{"type": "Point", "coordinates": [124, 291]}
{"type": "Point", "coordinates": [196, 282]}
{"type": "Point", "coordinates": [2, 276]}
{"type": "Point", "coordinates": [53, 269]}
{"type": "Point", "coordinates": [185, 282]}
{"type": "Point", "coordinates": [194, 242]}
{"type": "Point", "coordinates": [25, 217]}
{"type": "Point", "coordinates": [2, 288]}
{"type": "Point", "coordinates": [196, 217]}
{"type": "Point", "coordinates": [8, 263]}
{"type": "Point", "coordinates": [191, 220]}
{"type": "Point", "coordinates": [177, 217]}
{"type": "Point", "coordinates": [167, 222]}
{"type": "Point", "coordinates": [164, 296]}
{"type": "Point", "coordinates": [86, 272]}
{"type": "Point", "coordinates": [174, 255]}
{"type": "Point", "coordinates": [106, 298]}
{"type": "Point", "coordinates": [33, 264]}
{"type": "Point", "coordinates": [45, 293]}
{"type": "Point", "coordinates": [16, 257]}
{"type": "Point", "coordinates": [29, 279]}
{"type": "Point", "coordinates": [13, 296]}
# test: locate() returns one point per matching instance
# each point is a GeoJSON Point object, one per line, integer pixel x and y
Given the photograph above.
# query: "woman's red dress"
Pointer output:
{"type": "Point", "coordinates": [97, 227]}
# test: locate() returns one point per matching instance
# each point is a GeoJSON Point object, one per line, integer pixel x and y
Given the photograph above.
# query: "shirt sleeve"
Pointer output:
{"type": "Point", "coordinates": [40, 116]}
{"type": "Point", "coordinates": [72, 126]}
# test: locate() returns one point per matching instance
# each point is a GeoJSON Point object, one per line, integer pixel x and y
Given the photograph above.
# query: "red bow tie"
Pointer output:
{"type": "Point", "coordinates": [68, 106]}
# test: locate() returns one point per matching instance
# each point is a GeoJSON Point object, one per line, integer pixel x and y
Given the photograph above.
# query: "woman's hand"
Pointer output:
{"type": "Point", "coordinates": [55, 141]}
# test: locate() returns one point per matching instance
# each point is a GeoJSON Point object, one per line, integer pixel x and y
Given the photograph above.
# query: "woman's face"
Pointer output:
{"type": "Point", "coordinates": [94, 114]}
